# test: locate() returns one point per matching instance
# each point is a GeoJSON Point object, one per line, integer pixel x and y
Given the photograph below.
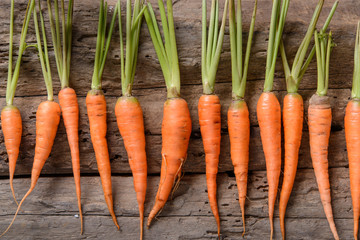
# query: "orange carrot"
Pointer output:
{"type": "Point", "coordinates": [210, 125]}
{"type": "Point", "coordinates": [96, 109]}
{"type": "Point", "coordinates": [176, 131]}
{"type": "Point", "coordinates": [239, 133]}
{"type": "Point", "coordinates": [269, 117]}
{"type": "Point", "coordinates": [47, 121]}
{"type": "Point", "coordinates": [12, 129]}
{"type": "Point", "coordinates": [70, 113]}
{"type": "Point", "coordinates": [293, 115]}
{"type": "Point", "coordinates": [130, 121]}
{"type": "Point", "coordinates": [352, 123]}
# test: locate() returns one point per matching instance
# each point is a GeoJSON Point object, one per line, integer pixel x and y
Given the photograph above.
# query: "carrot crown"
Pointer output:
{"type": "Point", "coordinates": [43, 54]}
{"type": "Point", "coordinates": [211, 44]}
{"type": "Point", "coordinates": [133, 25]}
{"type": "Point", "coordinates": [355, 93]}
{"type": "Point", "coordinates": [239, 67]}
{"type": "Point", "coordinates": [300, 65]}
{"type": "Point", "coordinates": [13, 76]}
{"type": "Point", "coordinates": [278, 16]}
{"type": "Point", "coordinates": [102, 44]}
{"type": "Point", "coordinates": [323, 45]}
{"type": "Point", "coordinates": [167, 53]}
{"type": "Point", "coordinates": [62, 48]}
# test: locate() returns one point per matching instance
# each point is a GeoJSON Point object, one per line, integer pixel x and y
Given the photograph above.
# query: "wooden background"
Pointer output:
{"type": "Point", "coordinates": [50, 212]}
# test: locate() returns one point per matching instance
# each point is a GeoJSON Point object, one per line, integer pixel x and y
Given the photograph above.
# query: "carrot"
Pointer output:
{"type": "Point", "coordinates": [209, 107]}
{"type": "Point", "coordinates": [67, 96]}
{"type": "Point", "coordinates": [268, 108]}
{"type": "Point", "coordinates": [10, 114]}
{"type": "Point", "coordinates": [47, 115]}
{"type": "Point", "coordinates": [352, 123]}
{"type": "Point", "coordinates": [238, 113]}
{"type": "Point", "coordinates": [319, 121]}
{"type": "Point", "coordinates": [96, 107]}
{"type": "Point", "coordinates": [176, 125]}
{"type": "Point", "coordinates": [293, 109]}
{"type": "Point", "coordinates": [128, 111]}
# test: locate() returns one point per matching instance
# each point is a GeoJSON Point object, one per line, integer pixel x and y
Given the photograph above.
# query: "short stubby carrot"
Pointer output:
{"type": "Point", "coordinates": [96, 109]}
{"type": "Point", "coordinates": [352, 134]}
{"type": "Point", "coordinates": [319, 121]}
{"type": "Point", "coordinates": [176, 131]}
{"type": "Point", "coordinates": [239, 133]}
{"type": "Point", "coordinates": [269, 117]}
{"type": "Point", "coordinates": [47, 122]}
{"type": "Point", "coordinates": [130, 122]}
{"type": "Point", "coordinates": [293, 118]}
{"type": "Point", "coordinates": [70, 113]}
{"type": "Point", "coordinates": [12, 128]}
{"type": "Point", "coordinates": [210, 126]}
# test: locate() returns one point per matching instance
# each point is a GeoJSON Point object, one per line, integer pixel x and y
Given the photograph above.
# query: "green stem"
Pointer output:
{"type": "Point", "coordinates": [11, 44]}
{"type": "Point", "coordinates": [323, 45]}
{"type": "Point", "coordinates": [355, 93]}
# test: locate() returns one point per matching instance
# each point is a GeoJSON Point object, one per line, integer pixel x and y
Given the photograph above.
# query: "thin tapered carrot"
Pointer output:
{"type": "Point", "coordinates": [319, 121]}
{"type": "Point", "coordinates": [352, 124]}
{"type": "Point", "coordinates": [176, 130]}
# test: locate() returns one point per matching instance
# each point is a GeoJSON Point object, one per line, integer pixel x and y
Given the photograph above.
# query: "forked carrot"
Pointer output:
{"type": "Point", "coordinates": [238, 113]}
{"type": "Point", "coordinates": [209, 107]}
{"type": "Point", "coordinates": [128, 111]}
{"type": "Point", "coordinates": [293, 109]}
{"type": "Point", "coordinates": [176, 125]}
{"type": "Point", "coordinates": [47, 115]}
{"type": "Point", "coordinates": [96, 107]}
{"type": "Point", "coordinates": [352, 124]}
{"type": "Point", "coordinates": [319, 121]}
{"type": "Point", "coordinates": [268, 108]}
{"type": "Point", "coordinates": [67, 96]}
{"type": "Point", "coordinates": [10, 115]}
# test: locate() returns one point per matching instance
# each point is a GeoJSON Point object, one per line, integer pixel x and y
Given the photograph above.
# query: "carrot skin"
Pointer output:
{"type": "Point", "coordinates": [70, 113]}
{"type": "Point", "coordinates": [269, 117]}
{"type": "Point", "coordinates": [352, 123]}
{"type": "Point", "coordinates": [47, 122]}
{"type": "Point", "coordinates": [293, 117]}
{"type": "Point", "coordinates": [130, 122]}
{"type": "Point", "coordinates": [209, 109]}
{"type": "Point", "coordinates": [176, 131]}
{"type": "Point", "coordinates": [96, 109]}
{"type": "Point", "coordinates": [319, 121]}
{"type": "Point", "coordinates": [12, 129]}
{"type": "Point", "coordinates": [239, 133]}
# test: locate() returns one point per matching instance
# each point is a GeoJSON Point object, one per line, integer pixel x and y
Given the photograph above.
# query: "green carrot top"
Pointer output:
{"type": "Point", "coordinates": [133, 25]}
{"type": "Point", "coordinates": [43, 54]}
{"type": "Point", "coordinates": [13, 75]}
{"type": "Point", "coordinates": [300, 65]}
{"type": "Point", "coordinates": [62, 48]}
{"type": "Point", "coordinates": [102, 44]}
{"type": "Point", "coordinates": [323, 44]}
{"type": "Point", "coordinates": [355, 93]}
{"type": "Point", "coordinates": [211, 44]}
{"type": "Point", "coordinates": [239, 66]}
{"type": "Point", "coordinates": [278, 16]}
{"type": "Point", "coordinates": [167, 53]}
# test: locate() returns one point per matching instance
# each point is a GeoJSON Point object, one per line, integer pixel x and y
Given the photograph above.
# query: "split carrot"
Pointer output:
{"type": "Point", "coordinates": [10, 115]}
{"type": "Point", "coordinates": [128, 111]}
{"type": "Point", "coordinates": [47, 115]}
{"type": "Point", "coordinates": [268, 108]}
{"type": "Point", "coordinates": [67, 96]}
{"type": "Point", "coordinates": [176, 125]}
{"type": "Point", "coordinates": [209, 107]}
{"type": "Point", "coordinates": [96, 108]}
{"type": "Point", "coordinates": [352, 123]}
{"type": "Point", "coordinates": [319, 115]}
{"type": "Point", "coordinates": [238, 113]}
{"type": "Point", "coordinates": [293, 109]}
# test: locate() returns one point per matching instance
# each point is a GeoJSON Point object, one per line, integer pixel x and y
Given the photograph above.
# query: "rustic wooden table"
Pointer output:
{"type": "Point", "coordinates": [50, 212]}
